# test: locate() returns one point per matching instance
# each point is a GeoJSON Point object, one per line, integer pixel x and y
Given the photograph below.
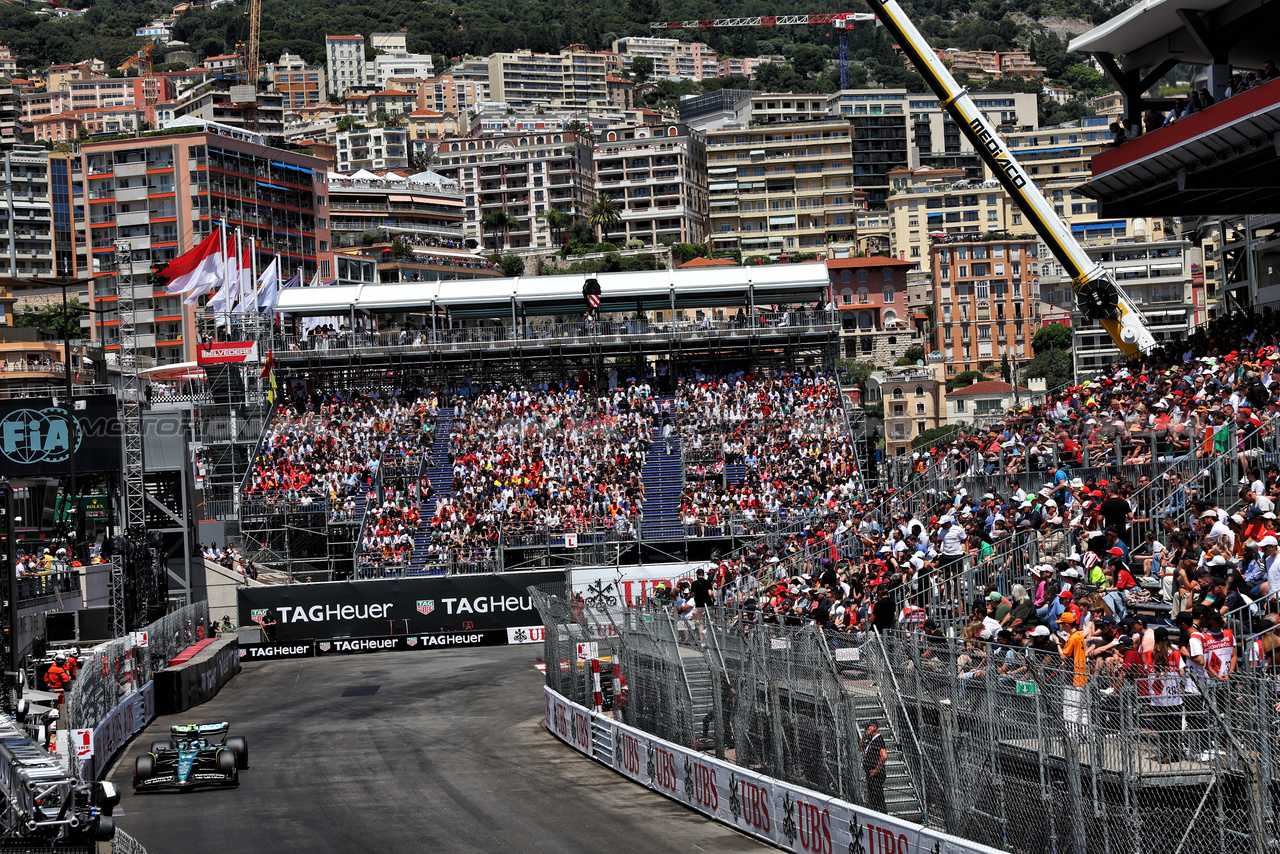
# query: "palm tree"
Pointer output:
{"type": "Point", "coordinates": [557, 221]}
{"type": "Point", "coordinates": [498, 221]}
{"type": "Point", "coordinates": [605, 215]}
{"type": "Point", "coordinates": [581, 128]}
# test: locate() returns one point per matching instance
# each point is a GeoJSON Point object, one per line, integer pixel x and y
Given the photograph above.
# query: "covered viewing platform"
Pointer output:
{"type": "Point", "coordinates": [1221, 159]}
{"type": "Point", "coordinates": [647, 312]}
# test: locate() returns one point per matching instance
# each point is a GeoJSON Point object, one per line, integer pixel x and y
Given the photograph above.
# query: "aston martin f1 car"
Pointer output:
{"type": "Point", "coordinates": [195, 755]}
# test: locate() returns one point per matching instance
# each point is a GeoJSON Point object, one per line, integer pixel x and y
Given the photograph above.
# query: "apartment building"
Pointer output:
{"type": "Point", "coordinates": [928, 205]}
{"type": "Point", "coordinates": [983, 305]}
{"type": "Point", "coordinates": [428, 127]}
{"type": "Point", "coordinates": [914, 401]}
{"type": "Point", "coordinates": [771, 108]}
{"type": "Point", "coordinates": [452, 93]}
{"type": "Point", "coordinates": [157, 196]}
{"type": "Point", "coordinates": [93, 94]}
{"type": "Point", "coordinates": [210, 101]}
{"type": "Point", "coordinates": [390, 101]}
{"type": "Point", "coordinates": [420, 209]}
{"type": "Point", "coordinates": [788, 187]}
{"type": "Point", "coordinates": [523, 174]}
{"type": "Point", "coordinates": [411, 66]}
{"type": "Point", "coordinates": [990, 63]}
{"type": "Point", "coordinates": [1156, 275]}
{"type": "Point", "coordinates": [26, 220]}
{"type": "Point", "coordinates": [574, 78]}
{"type": "Point", "coordinates": [672, 58]}
{"type": "Point", "coordinates": [298, 84]}
{"type": "Point", "coordinates": [376, 149]}
{"type": "Point", "coordinates": [871, 295]}
{"type": "Point", "coordinates": [658, 176]}
{"type": "Point", "coordinates": [344, 63]}
{"type": "Point", "coordinates": [8, 65]}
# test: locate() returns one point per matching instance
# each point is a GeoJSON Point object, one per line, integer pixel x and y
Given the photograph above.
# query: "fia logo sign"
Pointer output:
{"type": "Point", "coordinates": [426, 606]}
{"type": "Point", "coordinates": [30, 437]}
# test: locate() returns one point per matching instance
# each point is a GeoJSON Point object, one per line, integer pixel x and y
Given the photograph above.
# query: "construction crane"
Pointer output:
{"type": "Point", "coordinates": [150, 88]}
{"type": "Point", "coordinates": [251, 50]}
{"type": "Point", "coordinates": [841, 21]}
{"type": "Point", "coordinates": [1097, 295]}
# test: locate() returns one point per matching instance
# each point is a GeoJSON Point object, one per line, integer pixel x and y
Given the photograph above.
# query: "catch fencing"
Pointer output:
{"type": "Point", "coordinates": [118, 669]}
{"type": "Point", "coordinates": [993, 744]}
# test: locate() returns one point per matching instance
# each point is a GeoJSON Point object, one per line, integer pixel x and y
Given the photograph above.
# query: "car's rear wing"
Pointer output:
{"type": "Point", "coordinates": [213, 732]}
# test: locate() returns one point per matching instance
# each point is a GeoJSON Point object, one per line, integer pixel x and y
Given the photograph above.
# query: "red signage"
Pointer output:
{"type": "Point", "coordinates": [227, 352]}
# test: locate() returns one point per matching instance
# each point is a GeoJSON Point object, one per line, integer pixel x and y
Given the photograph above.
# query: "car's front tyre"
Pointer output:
{"type": "Point", "coordinates": [144, 767]}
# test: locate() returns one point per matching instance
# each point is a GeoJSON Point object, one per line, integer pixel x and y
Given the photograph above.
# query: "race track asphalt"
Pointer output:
{"type": "Point", "coordinates": [448, 755]}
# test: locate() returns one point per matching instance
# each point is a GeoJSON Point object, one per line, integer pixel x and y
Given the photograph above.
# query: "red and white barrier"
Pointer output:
{"type": "Point", "coordinates": [791, 817]}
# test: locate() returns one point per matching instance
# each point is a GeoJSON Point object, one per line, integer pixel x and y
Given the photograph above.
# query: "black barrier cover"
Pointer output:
{"type": "Point", "coordinates": [405, 643]}
{"type": "Point", "coordinates": [412, 606]}
{"type": "Point", "coordinates": [184, 686]}
{"type": "Point", "coordinates": [34, 441]}
{"type": "Point", "coordinates": [275, 651]}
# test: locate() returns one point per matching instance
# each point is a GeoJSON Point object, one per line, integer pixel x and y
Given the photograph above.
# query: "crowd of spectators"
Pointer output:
{"type": "Point", "coordinates": [332, 447]}
{"type": "Point", "coordinates": [560, 460]}
{"type": "Point", "coordinates": [787, 431]}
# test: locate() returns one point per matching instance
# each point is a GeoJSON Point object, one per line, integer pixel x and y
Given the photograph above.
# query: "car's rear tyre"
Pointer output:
{"type": "Point", "coordinates": [157, 746]}
{"type": "Point", "coordinates": [106, 829]}
{"type": "Point", "coordinates": [227, 762]}
{"type": "Point", "coordinates": [240, 745]}
{"type": "Point", "coordinates": [144, 767]}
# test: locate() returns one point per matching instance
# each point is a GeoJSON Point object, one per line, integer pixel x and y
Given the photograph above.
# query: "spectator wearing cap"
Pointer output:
{"type": "Point", "coordinates": [1271, 559]}
{"type": "Point", "coordinates": [874, 756]}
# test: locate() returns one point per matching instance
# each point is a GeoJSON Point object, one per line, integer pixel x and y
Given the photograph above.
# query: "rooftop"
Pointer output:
{"type": "Point", "coordinates": [986, 387]}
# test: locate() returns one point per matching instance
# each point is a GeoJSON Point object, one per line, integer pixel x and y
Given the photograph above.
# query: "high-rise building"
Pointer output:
{"type": "Point", "coordinates": [521, 174]}
{"type": "Point", "coordinates": [422, 211]}
{"type": "Point", "coordinates": [374, 148]}
{"type": "Point", "coordinates": [26, 220]}
{"type": "Point", "coordinates": [983, 305]}
{"type": "Point", "coordinates": [344, 63]}
{"type": "Point", "coordinates": [573, 78]}
{"type": "Point", "coordinates": [411, 66]}
{"type": "Point", "coordinates": [787, 188]}
{"type": "Point", "coordinates": [658, 176]}
{"type": "Point", "coordinates": [157, 196]}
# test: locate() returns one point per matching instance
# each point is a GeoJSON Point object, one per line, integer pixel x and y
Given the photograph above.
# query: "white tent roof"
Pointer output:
{"type": "Point", "coordinates": [1151, 30]}
{"type": "Point", "coordinates": [782, 283]}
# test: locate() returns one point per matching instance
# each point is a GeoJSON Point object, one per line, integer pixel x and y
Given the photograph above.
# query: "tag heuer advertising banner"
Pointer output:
{"type": "Point", "coordinates": [35, 439]}
{"type": "Point", "coordinates": [402, 606]}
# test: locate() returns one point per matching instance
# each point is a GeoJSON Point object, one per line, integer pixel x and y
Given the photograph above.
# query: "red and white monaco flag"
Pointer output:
{"type": "Point", "coordinates": [198, 267]}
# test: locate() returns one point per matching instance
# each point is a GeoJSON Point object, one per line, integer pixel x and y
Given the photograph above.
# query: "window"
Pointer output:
{"type": "Point", "coordinates": [898, 393]}
{"type": "Point", "coordinates": [919, 391]}
{"type": "Point", "coordinates": [888, 292]}
{"type": "Point", "coordinates": [899, 409]}
{"type": "Point", "coordinates": [864, 296]}
{"type": "Point", "coordinates": [888, 275]}
{"type": "Point", "coordinates": [862, 275]}
{"type": "Point", "coordinates": [919, 409]}
{"type": "Point", "coordinates": [960, 404]}
{"type": "Point", "coordinates": [845, 277]}
{"type": "Point", "coordinates": [919, 427]}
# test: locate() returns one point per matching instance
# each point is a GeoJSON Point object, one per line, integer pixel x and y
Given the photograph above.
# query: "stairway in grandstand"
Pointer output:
{"type": "Point", "coordinates": [900, 797]}
{"type": "Point", "coordinates": [663, 476]}
{"type": "Point", "coordinates": [437, 468]}
{"type": "Point", "coordinates": [734, 474]}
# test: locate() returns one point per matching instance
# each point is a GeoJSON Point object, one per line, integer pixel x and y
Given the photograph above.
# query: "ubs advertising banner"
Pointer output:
{"type": "Point", "coordinates": [458, 604]}
{"type": "Point", "coordinates": [790, 817]}
{"type": "Point", "coordinates": [34, 439]}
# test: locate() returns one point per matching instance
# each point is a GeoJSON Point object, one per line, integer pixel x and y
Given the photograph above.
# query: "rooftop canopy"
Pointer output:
{"type": "Point", "coordinates": [651, 290]}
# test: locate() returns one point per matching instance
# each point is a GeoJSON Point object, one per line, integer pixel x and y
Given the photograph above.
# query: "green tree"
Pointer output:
{"type": "Point", "coordinates": [855, 373]}
{"type": "Point", "coordinates": [1053, 365]}
{"type": "Point", "coordinates": [581, 128]}
{"type": "Point", "coordinates": [1052, 336]}
{"type": "Point", "coordinates": [557, 221]}
{"type": "Point", "coordinates": [498, 222]}
{"type": "Point", "coordinates": [910, 356]}
{"type": "Point", "coordinates": [604, 215]}
{"type": "Point", "coordinates": [347, 123]}
{"type": "Point", "coordinates": [1088, 80]}
{"type": "Point", "coordinates": [964, 378]}
{"type": "Point", "coordinates": [512, 265]}
{"type": "Point", "coordinates": [578, 235]}
{"type": "Point", "coordinates": [53, 318]}
{"type": "Point", "coordinates": [641, 69]}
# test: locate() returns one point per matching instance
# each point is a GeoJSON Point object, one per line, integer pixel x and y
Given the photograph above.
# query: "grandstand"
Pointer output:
{"type": "Point", "coordinates": [446, 427]}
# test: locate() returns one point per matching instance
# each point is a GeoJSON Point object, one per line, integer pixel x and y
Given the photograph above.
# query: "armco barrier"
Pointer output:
{"type": "Point", "coordinates": [398, 606]}
{"type": "Point", "coordinates": [129, 716]}
{"type": "Point", "coordinates": [183, 686]}
{"type": "Point", "coordinates": [791, 817]}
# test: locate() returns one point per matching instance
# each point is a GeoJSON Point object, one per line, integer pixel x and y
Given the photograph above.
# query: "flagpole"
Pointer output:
{"type": "Point", "coordinates": [226, 271]}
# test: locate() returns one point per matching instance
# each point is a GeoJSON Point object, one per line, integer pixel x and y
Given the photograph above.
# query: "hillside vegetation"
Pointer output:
{"type": "Point", "coordinates": [480, 27]}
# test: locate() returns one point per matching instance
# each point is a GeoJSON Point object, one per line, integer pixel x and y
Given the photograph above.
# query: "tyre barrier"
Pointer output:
{"type": "Point", "coordinates": [788, 816]}
{"type": "Point", "coordinates": [197, 679]}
